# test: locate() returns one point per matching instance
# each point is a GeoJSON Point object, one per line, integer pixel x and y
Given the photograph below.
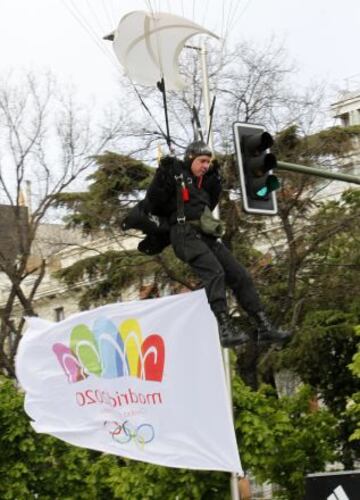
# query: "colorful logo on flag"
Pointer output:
{"type": "Point", "coordinates": [109, 352]}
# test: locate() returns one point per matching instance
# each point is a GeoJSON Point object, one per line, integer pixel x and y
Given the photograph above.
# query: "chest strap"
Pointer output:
{"type": "Point", "coordinates": [180, 190]}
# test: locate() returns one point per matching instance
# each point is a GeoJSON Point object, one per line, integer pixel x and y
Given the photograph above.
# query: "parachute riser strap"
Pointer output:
{"type": "Point", "coordinates": [161, 87]}
{"type": "Point", "coordinates": [198, 134]}
{"type": "Point", "coordinates": [180, 214]}
{"type": "Point", "coordinates": [211, 115]}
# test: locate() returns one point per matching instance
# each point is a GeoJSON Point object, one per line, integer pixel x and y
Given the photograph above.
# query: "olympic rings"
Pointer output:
{"type": "Point", "coordinates": [125, 432]}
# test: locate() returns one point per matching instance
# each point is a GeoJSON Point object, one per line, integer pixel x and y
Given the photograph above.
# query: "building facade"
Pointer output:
{"type": "Point", "coordinates": [61, 247]}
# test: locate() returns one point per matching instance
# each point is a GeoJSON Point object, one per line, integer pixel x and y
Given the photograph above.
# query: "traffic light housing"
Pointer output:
{"type": "Point", "coordinates": [256, 163]}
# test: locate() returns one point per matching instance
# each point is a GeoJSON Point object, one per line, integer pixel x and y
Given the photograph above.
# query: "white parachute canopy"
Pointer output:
{"type": "Point", "coordinates": [148, 46]}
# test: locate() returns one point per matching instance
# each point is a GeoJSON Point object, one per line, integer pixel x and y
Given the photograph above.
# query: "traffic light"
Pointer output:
{"type": "Point", "coordinates": [256, 163]}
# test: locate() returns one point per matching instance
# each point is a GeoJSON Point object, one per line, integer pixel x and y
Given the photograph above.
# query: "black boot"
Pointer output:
{"type": "Point", "coordinates": [266, 331]}
{"type": "Point", "coordinates": [230, 336]}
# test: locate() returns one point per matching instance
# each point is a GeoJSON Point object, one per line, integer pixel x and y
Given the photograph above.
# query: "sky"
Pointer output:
{"type": "Point", "coordinates": [321, 36]}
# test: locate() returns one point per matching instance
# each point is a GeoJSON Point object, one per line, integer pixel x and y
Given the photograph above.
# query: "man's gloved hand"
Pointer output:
{"type": "Point", "coordinates": [154, 244]}
{"type": "Point", "coordinates": [167, 161]}
{"type": "Point", "coordinates": [215, 165]}
{"type": "Point", "coordinates": [213, 174]}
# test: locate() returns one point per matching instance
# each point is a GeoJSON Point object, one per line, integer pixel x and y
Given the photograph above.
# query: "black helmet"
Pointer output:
{"type": "Point", "coordinates": [195, 149]}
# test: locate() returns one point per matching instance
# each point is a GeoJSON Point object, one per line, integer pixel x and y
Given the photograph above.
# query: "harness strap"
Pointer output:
{"type": "Point", "coordinates": [180, 185]}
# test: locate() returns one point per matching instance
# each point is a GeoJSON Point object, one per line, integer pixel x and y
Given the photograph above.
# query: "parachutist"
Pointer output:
{"type": "Point", "coordinates": [184, 193]}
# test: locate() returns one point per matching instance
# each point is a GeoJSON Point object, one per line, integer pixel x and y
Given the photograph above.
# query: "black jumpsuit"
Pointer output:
{"type": "Point", "coordinates": [207, 255]}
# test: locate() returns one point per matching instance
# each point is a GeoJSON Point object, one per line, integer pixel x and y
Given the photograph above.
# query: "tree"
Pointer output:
{"type": "Point", "coordinates": [47, 138]}
{"type": "Point", "coordinates": [281, 276]}
{"type": "Point", "coordinates": [318, 282]}
{"type": "Point", "coordinates": [274, 436]}
{"type": "Point", "coordinates": [282, 440]}
{"type": "Point", "coordinates": [353, 404]}
{"type": "Point", "coordinates": [40, 466]}
{"type": "Point", "coordinates": [321, 355]}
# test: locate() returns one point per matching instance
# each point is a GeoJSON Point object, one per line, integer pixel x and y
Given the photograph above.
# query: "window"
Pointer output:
{"type": "Point", "coordinates": [59, 313]}
{"type": "Point", "coordinates": [345, 121]}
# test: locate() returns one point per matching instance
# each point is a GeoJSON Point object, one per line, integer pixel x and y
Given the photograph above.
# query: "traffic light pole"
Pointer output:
{"type": "Point", "coordinates": [234, 481]}
{"type": "Point", "coordinates": [318, 172]}
{"type": "Point", "coordinates": [206, 94]}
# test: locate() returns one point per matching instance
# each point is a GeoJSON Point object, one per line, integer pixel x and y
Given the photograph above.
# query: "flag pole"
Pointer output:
{"type": "Point", "coordinates": [234, 481]}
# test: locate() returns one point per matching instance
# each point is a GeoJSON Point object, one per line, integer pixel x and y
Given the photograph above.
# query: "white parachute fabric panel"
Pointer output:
{"type": "Point", "coordinates": [148, 46]}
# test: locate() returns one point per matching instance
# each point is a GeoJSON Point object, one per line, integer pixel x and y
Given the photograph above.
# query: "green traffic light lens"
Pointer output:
{"type": "Point", "coordinates": [272, 183]}
{"type": "Point", "coordinates": [261, 193]}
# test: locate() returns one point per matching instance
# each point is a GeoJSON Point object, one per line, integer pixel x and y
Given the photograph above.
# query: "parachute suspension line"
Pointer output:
{"type": "Point", "coordinates": [234, 15]}
{"type": "Point", "coordinates": [246, 6]}
{"type": "Point", "coordinates": [97, 22]}
{"type": "Point", "coordinates": [149, 6]}
{"type": "Point", "coordinates": [148, 110]}
{"type": "Point", "coordinates": [232, 19]}
{"type": "Point", "coordinates": [161, 87]}
{"type": "Point", "coordinates": [222, 30]}
{"type": "Point", "coordinates": [182, 8]}
{"type": "Point", "coordinates": [109, 13]}
{"type": "Point", "coordinates": [206, 11]}
{"type": "Point", "coordinates": [227, 21]}
{"type": "Point", "coordinates": [152, 9]}
{"type": "Point", "coordinates": [159, 6]}
{"type": "Point", "coordinates": [211, 113]}
{"type": "Point", "coordinates": [76, 14]}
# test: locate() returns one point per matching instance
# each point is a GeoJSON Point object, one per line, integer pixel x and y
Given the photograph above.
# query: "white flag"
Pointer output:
{"type": "Point", "coordinates": [143, 380]}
